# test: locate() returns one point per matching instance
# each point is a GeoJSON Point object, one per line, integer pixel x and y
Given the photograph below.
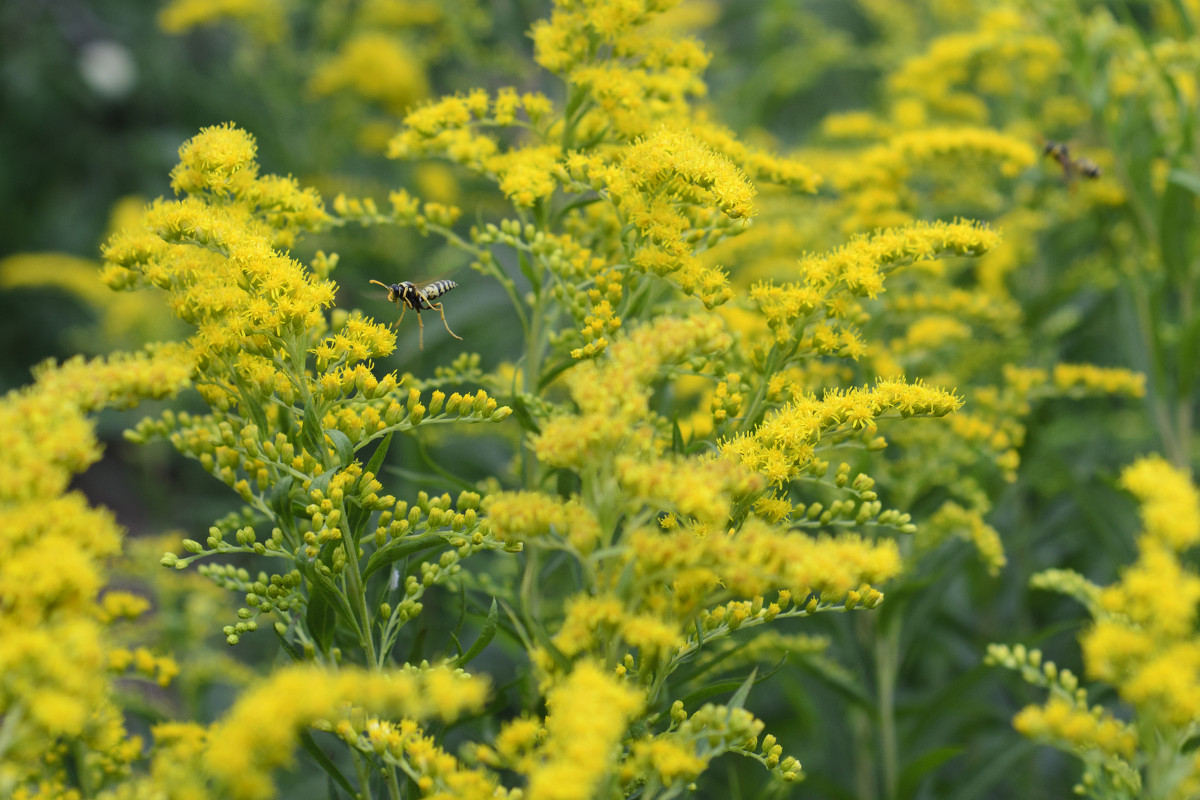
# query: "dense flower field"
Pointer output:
{"type": "Point", "coordinates": [806, 408]}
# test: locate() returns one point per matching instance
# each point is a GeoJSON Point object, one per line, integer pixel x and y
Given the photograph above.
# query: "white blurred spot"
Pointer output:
{"type": "Point", "coordinates": [108, 68]}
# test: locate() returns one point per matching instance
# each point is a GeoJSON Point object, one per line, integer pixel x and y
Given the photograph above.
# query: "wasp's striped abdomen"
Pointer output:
{"type": "Point", "coordinates": [434, 290]}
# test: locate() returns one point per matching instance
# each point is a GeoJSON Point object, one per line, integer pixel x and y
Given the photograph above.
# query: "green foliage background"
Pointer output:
{"type": "Point", "coordinates": [779, 68]}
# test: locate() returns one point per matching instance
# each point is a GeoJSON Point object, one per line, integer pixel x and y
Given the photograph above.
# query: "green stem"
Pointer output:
{"type": "Point", "coordinates": [775, 362]}
{"type": "Point", "coordinates": [393, 782]}
{"type": "Point", "coordinates": [364, 775]}
{"type": "Point", "coordinates": [530, 598]}
{"type": "Point", "coordinates": [887, 647]}
{"type": "Point", "coordinates": [535, 353]}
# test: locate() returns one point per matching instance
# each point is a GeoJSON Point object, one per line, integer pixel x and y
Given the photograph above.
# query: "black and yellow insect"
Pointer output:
{"type": "Point", "coordinates": [1061, 153]}
{"type": "Point", "coordinates": [419, 297]}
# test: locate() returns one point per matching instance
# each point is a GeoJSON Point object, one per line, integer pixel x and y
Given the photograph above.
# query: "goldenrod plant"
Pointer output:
{"type": "Point", "coordinates": [708, 419]}
{"type": "Point", "coordinates": [1142, 643]}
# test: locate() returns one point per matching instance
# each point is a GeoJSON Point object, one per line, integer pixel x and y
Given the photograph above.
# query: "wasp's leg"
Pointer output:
{"type": "Point", "coordinates": [438, 307]}
{"type": "Point", "coordinates": [420, 332]}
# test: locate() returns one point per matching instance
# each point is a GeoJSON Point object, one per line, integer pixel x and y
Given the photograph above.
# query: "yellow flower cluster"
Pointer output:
{"type": "Point", "coordinates": [378, 67]}
{"type": "Point", "coordinates": [530, 516]}
{"type": "Point", "coordinates": [1146, 643]}
{"type": "Point", "coordinates": [632, 76]}
{"type": "Point", "coordinates": [952, 519]}
{"type": "Point", "coordinates": [592, 624]}
{"type": "Point", "coordinates": [613, 396]}
{"type": "Point", "coordinates": [451, 127]}
{"type": "Point", "coordinates": [161, 669]}
{"type": "Point", "coordinates": [584, 741]}
{"type": "Point", "coordinates": [1162, 75]}
{"type": "Point", "coordinates": [258, 734]}
{"type": "Point", "coordinates": [1085, 729]}
{"type": "Point", "coordinates": [263, 19]}
{"type": "Point", "coordinates": [980, 306]}
{"type": "Point", "coordinates": [830, 282]}
{"type": "Point", "coordinates": [784, 446]}
{"type": "Point", "coordinates": [1169, 503]}
{"type": "Point", "coordinates": [760, 164]}
{"type": "Point", "coordinates": [670, 161]}
{"type": "Point", "coordinates": [215, 253]}
{"type": "Point", "coordinates": [437, 774]}
{"type": "Point", "coordinates": [758, 558]}
{"type": "Point", "coordinates": [886, 165]}
{"type": "Point", "coordinates": [1107, 745]}
{"type": "Point", "coordinates": [54, 651]}
{"type": "Point", "coordinates": [653, 175]}
{"type": "Point", "coordinates": [1075, 380]}
{"type": "Point", "coordinates": [685, 750]}
{"type": "Point", "coordinates": [702, 490]}
{"type": "Point", "coordinates": [588, 716]}
{"type": "Point", "coordinates": [43, 434]}
{"type": "Point", "coordinates": [1142, 641]}
{"type": "Point", "coordinates": [998, 58]}
{"type": "Point", "coordinates": [669, 758]}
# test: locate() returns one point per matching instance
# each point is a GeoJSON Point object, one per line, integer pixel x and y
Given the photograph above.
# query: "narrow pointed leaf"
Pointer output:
{"type": "Point", "coordinates": [485, 636]}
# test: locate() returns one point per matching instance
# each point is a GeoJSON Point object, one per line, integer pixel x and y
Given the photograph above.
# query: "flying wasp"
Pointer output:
{"type": "Point", "coordinates": [419, 297]}
{"type": "Point", "coordinates": [1061, 153]}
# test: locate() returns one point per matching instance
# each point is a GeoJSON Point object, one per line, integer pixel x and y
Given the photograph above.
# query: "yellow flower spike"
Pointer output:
{"type": "Point", "coordinates": [669, 154]}
{"type": "Point", "coordinates": [214, 159]}
{"type": "Point", "coordinates": [588, 716]}
{"type": "Point", "coordinates": [1080, 728]}
{"type": "Point", "coordinates": [527, 516]}
{"type": "Point", "coordinates": [887, 163]}
{"type": "Point", "coordinates": [376, 66]}
{"type": "Point", "coordinates": [242, 752]}
{"type": "Point", "coordinates": [526, 174]}
{"type": "Point", "coordinates": [264, 20]}
{"type": "Point", "coordinates": [1170, 502]}
{"type": "Point", "coordinates": [1090, 378]}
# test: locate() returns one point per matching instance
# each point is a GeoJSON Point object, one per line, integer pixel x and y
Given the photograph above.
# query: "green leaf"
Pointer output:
{"type": "Point", "coordinates": [398, 549]}
{"type": "Point", "coordinates": [313, 749]}
{"type": "Point", "coordinates": [312, 438]}
{"type": "Point", "coordinates": [711, 690]}
{"type": "Point", "coordinates": [553, 372]}
{"type": "Point", "coordinates": [485, 636]}
{"type": "Point", "coordinates": [380, 453]}
{"type": "Point", "coordinates": [280, 501]}
{"type": "Point", "coordinates": [288, 647]}
{"type": "Point", "coordinates": [528, 271]}
{"type": "Point", "coordinates": [910, 778]}
{"type": "Point", "coordinates": [524, 418]}
{"type": "Point", "coordinates": [739, 697]}
{"type": "Point", "coordinates": [321, 482]}
{"type": "Point", "coordinates": [356, 515]}
{"type": "Point", "coordinates": [840, 682]}
{"type": "Point", "coordinates": [321, 618]}
{"type": "Point", "coordinates": [1188, 180]}
{"type": "Point", "coordinates": [1000, 766]}
{"type": "Point", "coordinates": [695, 667]}
{"type": "Point", "coordinates": [1176, 220]}
{"type": "Point", "coordinates": [677, 445]}
{"type": "Point", "coordinates": [342, 445]}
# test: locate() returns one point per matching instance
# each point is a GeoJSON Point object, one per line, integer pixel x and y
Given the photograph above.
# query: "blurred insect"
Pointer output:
{"type": "Point", "coordinates": [419, 297]}
{"type": "Point", "coordinates": [1061, 153]}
